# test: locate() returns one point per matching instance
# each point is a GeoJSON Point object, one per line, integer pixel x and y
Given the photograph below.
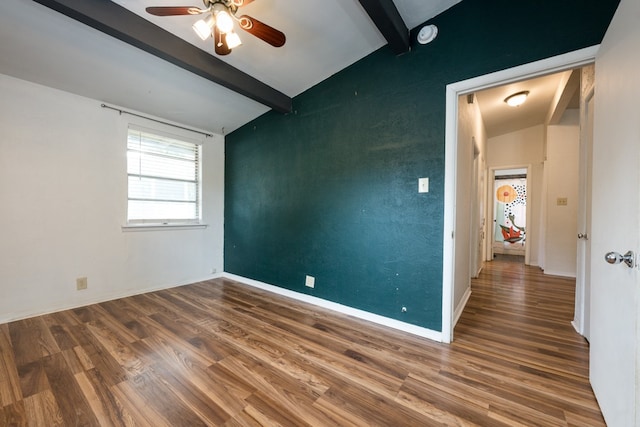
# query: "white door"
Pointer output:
{"type": "Point", "coordinates": [583, 267]}
{"type": "Point", "coordinates": [616, 219]}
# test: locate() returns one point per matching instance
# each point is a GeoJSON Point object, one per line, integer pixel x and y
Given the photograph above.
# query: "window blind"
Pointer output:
{"type": "Point", "coordinates": [163, 178]}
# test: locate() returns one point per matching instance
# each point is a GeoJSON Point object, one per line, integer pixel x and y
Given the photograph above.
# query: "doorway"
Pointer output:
{"type": "Point", "coordinates": [455, 91]}
{"type": "Point", "coordinates": [509, 202]}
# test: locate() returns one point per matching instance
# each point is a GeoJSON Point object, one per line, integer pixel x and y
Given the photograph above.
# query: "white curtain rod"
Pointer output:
{"type": "Point", "coordinates": [154, 120]}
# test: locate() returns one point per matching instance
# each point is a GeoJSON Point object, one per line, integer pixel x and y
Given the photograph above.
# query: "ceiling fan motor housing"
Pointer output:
{"type": "Point", "coordinates": [229, 4]}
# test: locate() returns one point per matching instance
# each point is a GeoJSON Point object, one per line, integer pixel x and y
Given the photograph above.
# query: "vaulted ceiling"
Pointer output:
{"type": "Point", "coordinates": [117, 53]}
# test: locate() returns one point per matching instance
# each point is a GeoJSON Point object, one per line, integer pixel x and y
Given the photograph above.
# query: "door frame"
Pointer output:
{"type": "Point", "coordinates": [531, 70]}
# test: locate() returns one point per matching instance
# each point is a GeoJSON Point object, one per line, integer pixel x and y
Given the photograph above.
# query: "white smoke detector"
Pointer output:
{"type": "Point", "coordinates": [427, 34]}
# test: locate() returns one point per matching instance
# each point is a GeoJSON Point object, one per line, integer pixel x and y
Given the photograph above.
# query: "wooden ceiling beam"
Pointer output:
{"type": "Point", "coordinates": [386, 17]}
{"type": "Point", "coordinates": [119, 22]}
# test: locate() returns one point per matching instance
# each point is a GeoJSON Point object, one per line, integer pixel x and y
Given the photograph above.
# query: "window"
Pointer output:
{"type": "Point", "coordinates": [164, 179]}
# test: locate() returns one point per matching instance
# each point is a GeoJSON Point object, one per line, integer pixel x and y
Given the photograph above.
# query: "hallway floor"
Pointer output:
{"type": "Point", "coordinates": [520, 347]}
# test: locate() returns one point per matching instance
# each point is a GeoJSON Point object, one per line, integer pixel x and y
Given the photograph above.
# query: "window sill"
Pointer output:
{"type": "Point", "coordinates": [162, 227]}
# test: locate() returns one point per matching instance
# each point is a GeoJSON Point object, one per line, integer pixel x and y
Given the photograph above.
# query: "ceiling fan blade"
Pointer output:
{"type": "Point", "coordinates": [174, 10]}
{"type": "Point", "coordinates": [262, 31]}
{"type": "Point", "coordinates": [220, 42]}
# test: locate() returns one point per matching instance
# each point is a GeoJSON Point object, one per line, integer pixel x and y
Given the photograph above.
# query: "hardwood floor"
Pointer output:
{"type": "Point", "coordinates": [220, 353]}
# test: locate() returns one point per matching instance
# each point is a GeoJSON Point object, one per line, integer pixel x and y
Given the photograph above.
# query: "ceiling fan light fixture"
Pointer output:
{"type": "Point", "coordinates": [203, 27]}
{"type": "Point", "coordinates": [517, 99]}
{"type": "Point", "coordinates": [219, 18]}
{"type": "Point", "coordinates": [233, 40]}
{"type": "Point", "coordinates": [224, 21]}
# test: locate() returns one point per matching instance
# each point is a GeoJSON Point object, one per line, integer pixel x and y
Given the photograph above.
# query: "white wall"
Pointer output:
{"type": "Point", "coordinates": [561, 169]}
{"type": "Point", "coordinates": [63, 197]}
{"type": "Point", "coordinates": [469, 196]}
{"type": "Point", "coordinates": [521, 148]}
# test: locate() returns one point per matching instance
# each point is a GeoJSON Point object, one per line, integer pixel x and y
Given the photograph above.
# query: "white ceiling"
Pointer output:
{"type": "Point", "coordinates": [323, 37]}
{"type": "Point", "coordinates": [500, 119]}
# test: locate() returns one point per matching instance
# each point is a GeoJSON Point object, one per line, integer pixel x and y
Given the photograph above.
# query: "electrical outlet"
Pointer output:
{"type": "Point", "coordinates": [562, 201]}
{"type": "Point", "coordinates": [310, 282]}
{"type": "Point", "coordinates": [81, 283]}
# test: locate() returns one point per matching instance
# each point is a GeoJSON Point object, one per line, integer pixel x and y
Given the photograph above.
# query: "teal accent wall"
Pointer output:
{"type": "Point", "coordinates": [330, 190]}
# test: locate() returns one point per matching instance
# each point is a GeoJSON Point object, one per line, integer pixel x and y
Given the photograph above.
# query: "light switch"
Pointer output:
{"type": "Point", "coordinates": [423, 185]}
{"type": "Point", "coordinates": [562, 201]}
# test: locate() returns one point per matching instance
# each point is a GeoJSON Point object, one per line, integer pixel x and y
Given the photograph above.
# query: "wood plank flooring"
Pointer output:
{"type": "Point", "coordinates": [219, 353]}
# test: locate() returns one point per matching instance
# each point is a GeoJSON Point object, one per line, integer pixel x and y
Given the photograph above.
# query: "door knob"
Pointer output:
{"type": "Point", "coordinates": [583, 236]}
{"type": "Point", "coordinates": [616, 258]}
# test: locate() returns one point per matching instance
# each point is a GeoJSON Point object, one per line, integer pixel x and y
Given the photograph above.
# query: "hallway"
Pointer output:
{"type": "Point", "coordinates": [519, 346]}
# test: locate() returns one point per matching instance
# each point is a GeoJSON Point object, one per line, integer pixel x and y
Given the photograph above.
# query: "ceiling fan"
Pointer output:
{"type": "Point", "coordinates": [219, 23]}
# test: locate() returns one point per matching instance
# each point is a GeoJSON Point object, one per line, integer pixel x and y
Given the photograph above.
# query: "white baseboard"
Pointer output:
{"type": "Point", "coordinates": [360, 314]}
{"type": "Point", "coordinates": [461, 305]}
{"type": "Point", "coordinates": [571, 275]}
{"type": "Point", "coordinates": [94, 299]}
{"type": "Point", "coordinates": [575, 326]}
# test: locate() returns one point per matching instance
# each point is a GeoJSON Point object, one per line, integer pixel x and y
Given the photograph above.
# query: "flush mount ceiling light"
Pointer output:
{"type": "Point", "coordinates": [517, 99]}
{"type": "Point", "coordinates": [427, 34]}
{"type": "Point", "coordinates": [220, 19]}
